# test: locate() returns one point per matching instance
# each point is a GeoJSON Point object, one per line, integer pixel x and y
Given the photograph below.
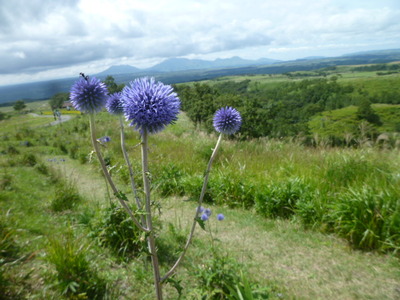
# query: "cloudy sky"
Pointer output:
{"type": "Point", "coordinates": [45, 39]}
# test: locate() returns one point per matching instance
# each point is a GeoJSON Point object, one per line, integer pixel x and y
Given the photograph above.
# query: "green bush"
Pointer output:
{"type": "Point", "coordinates": [367, 218]}
{"type": "Point", "coordinates": [217, 275]}
{"type": "Point", "coordinates": [29, 159]}
{"type": "Point", "coordinates": [66, 197]}
{"type": "Point", "coordinates": [168, 181]}
{"type": "Point", "coordinates": [42, 169]}
{"type": "Point", "coordinates": [192, 186]}
{"type": "Point", "coordinates": [311, 211]}
{"type": "Point", "coordinates": [232, 189]}
{"type": "Point", "coordinates": [75, 277]}
{"type": "Point", "coordinates": [6, 181]}
{"type": "Point", "coordinates": [115, 230]}
{"type": "Point", "coordinates": [281, 199]}
{"type": "Point", "coordinates": [12, 150]}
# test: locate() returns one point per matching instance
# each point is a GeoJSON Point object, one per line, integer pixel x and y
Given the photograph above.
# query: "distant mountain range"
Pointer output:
{"type": "Point", "coordinates": [184, 64]}
{"type": "Point", "coordinates": [177, 70]}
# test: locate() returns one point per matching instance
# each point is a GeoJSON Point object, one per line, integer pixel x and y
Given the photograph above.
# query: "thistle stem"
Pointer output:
{"type": "Point", "coordinates": [150, 238]}
{"type": "Point", "coordinates": [131, 175]}
{"type": "Point", "coordinates": [107, 174]}
{"type": "Point", "coordinates": [203, 191]}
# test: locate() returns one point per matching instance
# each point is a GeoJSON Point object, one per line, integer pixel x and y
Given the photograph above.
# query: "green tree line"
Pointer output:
{"type": "Point", "coordinates": [279, 111]}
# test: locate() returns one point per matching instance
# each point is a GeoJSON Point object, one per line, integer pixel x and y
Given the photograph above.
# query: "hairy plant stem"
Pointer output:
{"type": "Point", "coordinates": [128, 163]}
{"type": "Point", "coordinates": [107, 174]}
{"type": "Point", "coordinates": [203, 191]}
{"type": "Point", "coordinates": [150, 238]}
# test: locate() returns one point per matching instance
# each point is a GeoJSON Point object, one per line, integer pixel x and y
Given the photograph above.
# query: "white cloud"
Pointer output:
{"type": "Point", "coordinates": [47, 36]}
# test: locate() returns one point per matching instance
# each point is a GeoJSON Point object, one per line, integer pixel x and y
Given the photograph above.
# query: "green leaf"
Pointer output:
{"type": "Point", "coordinates": [121, 195]}
{"type": "Point", "coordinates": [176, 284]}
{"type": "Point", "coordinates": [201, 223]}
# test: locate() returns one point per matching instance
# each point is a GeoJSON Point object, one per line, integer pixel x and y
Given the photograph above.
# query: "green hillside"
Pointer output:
{"type": "Point", "coordinates": [337, 123]}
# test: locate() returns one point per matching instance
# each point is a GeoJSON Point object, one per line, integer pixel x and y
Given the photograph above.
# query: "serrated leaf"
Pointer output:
{"type": "Point", "coordinates": [121, 195]}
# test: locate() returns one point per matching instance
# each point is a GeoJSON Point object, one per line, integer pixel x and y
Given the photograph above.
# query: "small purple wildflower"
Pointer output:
{"type": "Point", "coordinates": [208, 212]}
{"type": "Point", "coordinates": [88, 94]}
{"type": "Point", "coordinates": [200, 209]}
{"type": "Point", "coordinates": [227, 120]}
{"type": "Point", "coordinates": [204, 217]}
{"type": "Point", "coordinates": [149, 105]}
{"type": "Point", "coordinates": [114, 104]}
{"type": "Point", "coordinates": [220, 217]}
{"type": "Point", "coordinates": [104, 139]}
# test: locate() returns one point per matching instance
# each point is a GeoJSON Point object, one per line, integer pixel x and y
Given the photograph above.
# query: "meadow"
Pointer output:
{"type": "Point", "coordinates": [300, 222]}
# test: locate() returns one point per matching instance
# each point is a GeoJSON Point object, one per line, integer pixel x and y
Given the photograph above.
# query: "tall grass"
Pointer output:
{"type": "Point", "coordinates": [76, 277]}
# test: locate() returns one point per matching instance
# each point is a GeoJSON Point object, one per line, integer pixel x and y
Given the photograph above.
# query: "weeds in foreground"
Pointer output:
{"type": "Point", "coordinates": [76, 278]}
{"type": "Point", "coordinates": [115, 231]}
{"type": "Point", "coordinates": [66, 197]}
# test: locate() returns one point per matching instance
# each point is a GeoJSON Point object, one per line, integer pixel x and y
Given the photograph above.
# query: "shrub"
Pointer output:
{"type": "Point", "coordinates": [29, 160]}
{"type": "Point", "coordinates": [66, 197]}
{"type": "Point", "coordinates": [280, 200]}
{"type": "Point", "coordinates": [311, 211]}
{"type": "Point", "coordinates": [73, 151]}
{"type": "Point", "coordinates": [233, 190]}
{"type": "Point", "coordinates": [169, 181]}
{"type": "Point", "coordinates": [216, 275]}
{"type": "Point", "coordinates": [75, 276]}
{"type": "Point", "coordinates": [367, 218]}
{"type": "Point", "coordinates": [192, 188]}
{"type": "Point", "coordinates": [6, 182]}
{"type": "Point", "coordinates": [116, 231]}
{"type": "Point", "coordinates": [12, 150]}
{"type": "Point", "coordinates": [83, 158]}
{"type": "Point", "coordinates": [42, 168]}
{"type": "Point", "coordinates": [63, 148]}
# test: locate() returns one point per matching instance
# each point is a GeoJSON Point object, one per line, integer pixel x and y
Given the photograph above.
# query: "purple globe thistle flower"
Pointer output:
{"type": "Point", "coordinates": [208, 212]}
{"type": "Point", "coordinates": [149, 105]}
{"type": "Point", "coordinates": [220, 217]}
{"type": "Point", "coordinates": [114, 104]}
{"type": "Point", "coordinates": [204, 217]}
{"type": "Point", "coordinates": [200, 209]}
{"type": "Point", "coordinates": [88, 94]}
{"type": "Point", "coordinates": [227, 120]}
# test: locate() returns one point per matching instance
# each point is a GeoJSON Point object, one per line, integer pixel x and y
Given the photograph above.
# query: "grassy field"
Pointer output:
{"type": "Point", "coordinates": [344, 121]}
{"type": "Point", "coordinates": [36, 106]}
{"type": "Point", "coordinates": [366, 80]}
{"type": "Point", "coordinates": [288, 225]}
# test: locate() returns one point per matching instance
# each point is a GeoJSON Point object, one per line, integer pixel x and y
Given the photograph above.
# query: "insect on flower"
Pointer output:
{"type": "Point", "coordinates": [88, 95]}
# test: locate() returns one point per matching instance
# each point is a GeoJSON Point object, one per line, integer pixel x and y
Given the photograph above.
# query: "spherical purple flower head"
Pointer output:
{"type": "Point", "coordinates": [88, 95]}
{"type": "Point", "coordinates": [227, 120]}
{"type": "Point", "coordinates": [220, 217]}
{"type": "Point", "coordinates": [114, 104]}
{"type": "Point", "coordinates": [204, 217]}
{"type": "Point", "coordinates": [207, 212]}
{"type": "Point", "coordinates": [200, 209]}
{"type": "Point", "coordinates": [150, 105]}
